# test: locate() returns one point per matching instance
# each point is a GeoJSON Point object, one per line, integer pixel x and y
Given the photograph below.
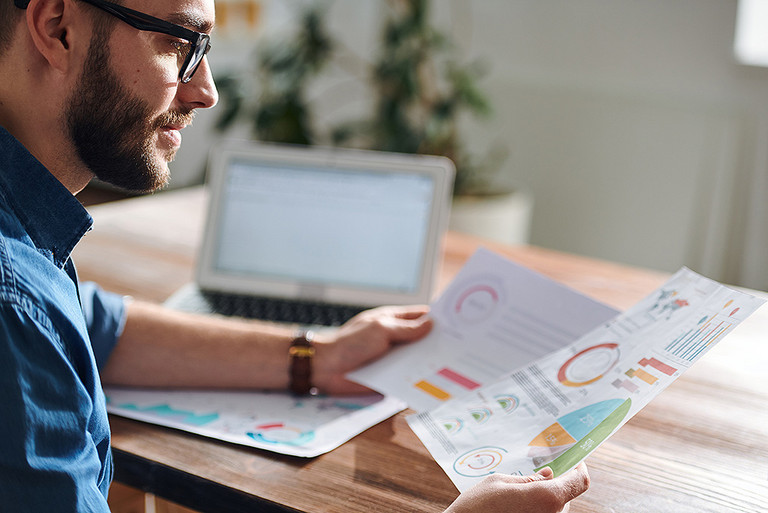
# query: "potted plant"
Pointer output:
{"type": "Point", "coordinates": [420, 94]}
{"type": "Point", "coordinates": [272, 96]}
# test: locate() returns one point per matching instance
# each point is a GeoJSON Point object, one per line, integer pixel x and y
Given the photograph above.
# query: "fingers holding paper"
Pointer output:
{"type": "Point", "coordinates": [537, 493]}
{"type": "Point", "coordinates": [364, 338]}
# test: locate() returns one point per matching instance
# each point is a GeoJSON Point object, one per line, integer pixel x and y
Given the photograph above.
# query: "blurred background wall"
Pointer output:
{"type": "Point", "coordinates": [639, 135]}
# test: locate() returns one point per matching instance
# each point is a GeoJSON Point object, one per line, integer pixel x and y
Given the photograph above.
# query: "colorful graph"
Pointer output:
{"type": "Point", "coordinates": [479, 462]}
{"type": "Point", "coordinates": [660, 366]}
{"type": "Point", "coordinates": [589, 365]}
{"type": "Point", "coordinates": [569, 429]}
{"type": "Point", "coordinates": [644, 374]}
{"type": "Point", "coordinates": [668, 303]}
{"type": "Point", "coordinates": [508, 403]}
{"type": "Point", "coordinates": [453, 426]}
{"type": "Point", "coordinates": [587, 427]}
{"type": "Point", "coordinates": [434, 391]}
{"type": "Point", "coordinates": [480, 415]}
{"type": "Point", "coordinates": [692, 343]}
{"type": "Point", "coordinates": [444, 382]}
{"type": "Point", "coordinates": [281, 433]}
{"type": "Point", "coordinates": [477, 302]}
{"type": "Point", "coordinates": [275, 421]}
{"type": "Point", "coordinates": [625, 384]}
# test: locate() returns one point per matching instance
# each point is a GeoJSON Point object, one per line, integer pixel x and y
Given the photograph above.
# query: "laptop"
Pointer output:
{"type": "Point", "coordinates": [315, 235]}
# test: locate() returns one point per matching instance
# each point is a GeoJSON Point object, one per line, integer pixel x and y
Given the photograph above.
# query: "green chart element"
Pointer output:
{"type": "Point", "coordinates": [589, 443]}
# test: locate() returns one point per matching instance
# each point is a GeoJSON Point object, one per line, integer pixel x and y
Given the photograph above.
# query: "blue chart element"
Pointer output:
{"type": "Point", "coordinates": [323, 403]}
{"type": "Point", "coordinates": [164, 410]}
{"type": "Point", "coordinates": [579, 423]}
{"type": "Point", "coordinates": [280, 433]}
{"type": "Point", "coordinates": [349, 406]}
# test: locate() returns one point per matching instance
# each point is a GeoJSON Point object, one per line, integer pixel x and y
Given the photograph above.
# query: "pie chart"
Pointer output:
{"type": "Point", "coordinates": [576, 434]}
{"type": "Point", "coordinates": [589, 365]}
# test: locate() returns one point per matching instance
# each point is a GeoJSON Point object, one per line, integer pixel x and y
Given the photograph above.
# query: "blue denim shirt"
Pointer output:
{"type": "Point", "coordinates": [54, 433]}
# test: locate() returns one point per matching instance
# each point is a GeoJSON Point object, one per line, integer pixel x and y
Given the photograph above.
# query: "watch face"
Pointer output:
{"type": "Point", "coordinates": [302, 345]}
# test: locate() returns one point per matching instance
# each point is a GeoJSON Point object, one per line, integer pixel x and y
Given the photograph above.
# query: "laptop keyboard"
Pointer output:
{"type": "Point", "coordinates": [281, 310]}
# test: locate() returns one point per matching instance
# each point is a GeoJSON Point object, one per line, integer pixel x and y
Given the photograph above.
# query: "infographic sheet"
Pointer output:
{"type": "Point", "coordinates": [278, 422]}
{"type": "Point", "coordinates": [556, 410]}
{"type": "Point", "coordinates": [494, 317]}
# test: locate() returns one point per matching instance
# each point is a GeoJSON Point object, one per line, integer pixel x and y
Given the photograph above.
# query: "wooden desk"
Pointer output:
{"type": "Point", "coordinates": [702, 446]}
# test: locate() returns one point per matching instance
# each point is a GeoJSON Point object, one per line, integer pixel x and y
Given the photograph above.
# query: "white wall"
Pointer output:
{"type": "Point", "coordinates": [641, 138]}
{"type": "Point", "coordinates": [635, 128]}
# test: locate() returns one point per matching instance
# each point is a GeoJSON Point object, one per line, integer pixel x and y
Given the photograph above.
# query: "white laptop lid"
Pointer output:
{"type": "Point", "coordinates": [324, 224]}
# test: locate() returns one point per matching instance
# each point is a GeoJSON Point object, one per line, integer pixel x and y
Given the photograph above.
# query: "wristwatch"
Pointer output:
{"type": "Point", "coordinates": [301, 352]}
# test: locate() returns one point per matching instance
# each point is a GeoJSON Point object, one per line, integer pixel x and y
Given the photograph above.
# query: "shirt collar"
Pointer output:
{"type": "Point", "coordinates": [51, 215]}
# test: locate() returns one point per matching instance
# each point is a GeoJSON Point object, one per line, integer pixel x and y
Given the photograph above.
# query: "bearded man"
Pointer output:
{"type": "Point", "coordinates": [90, 88]}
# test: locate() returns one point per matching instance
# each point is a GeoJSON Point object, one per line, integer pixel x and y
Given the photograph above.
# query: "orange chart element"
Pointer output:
{"type": "Point", "coordinates": [641, 374]}
{"type": "Point", "coordinates": [553, 436]}
{"type": "Point", "coordinates": [436, 392]}
{"type": "Point", "coordinates": [589, 365]}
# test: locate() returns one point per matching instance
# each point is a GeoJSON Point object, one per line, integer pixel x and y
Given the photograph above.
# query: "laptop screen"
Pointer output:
{"type": "Point", "coordinates": [349, 227]}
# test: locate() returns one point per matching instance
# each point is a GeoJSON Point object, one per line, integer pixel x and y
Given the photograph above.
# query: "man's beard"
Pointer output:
{"type": "Point", "coordinates": [113, 130]}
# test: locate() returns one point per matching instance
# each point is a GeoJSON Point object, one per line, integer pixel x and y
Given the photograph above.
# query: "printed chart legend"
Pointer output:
{"type": "Point", "coordinates": [444, 382]}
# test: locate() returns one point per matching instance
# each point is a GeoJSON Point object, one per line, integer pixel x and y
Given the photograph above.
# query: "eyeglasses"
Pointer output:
{"type": "Point", "coordinates": [190, 56]}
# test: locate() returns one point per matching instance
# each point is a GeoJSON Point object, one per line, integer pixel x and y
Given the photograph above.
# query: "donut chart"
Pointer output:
{"type": "Point", "coordinates": [479, 462]}
{"type": "Point", "coordinates": [589, 365]}
{"type": "Point", "coordinates": [476, 302]}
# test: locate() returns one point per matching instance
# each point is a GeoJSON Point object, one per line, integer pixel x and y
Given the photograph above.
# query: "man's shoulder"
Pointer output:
{"type": "Point", "coordinates": [18, 255]}
{"type": "Point", "coordinates": [29, 280]}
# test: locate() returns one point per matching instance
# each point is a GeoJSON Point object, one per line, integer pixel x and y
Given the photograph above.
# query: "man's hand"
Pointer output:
{"type": "Point", "coordinates": [364, 338]}
{"type": "Point", "coordinates": [539, 493]}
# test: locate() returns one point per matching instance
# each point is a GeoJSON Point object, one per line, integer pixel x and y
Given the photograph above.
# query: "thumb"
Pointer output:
{"type": "Point", "coordinates": [546, 473]}
{"type": "Point", "coordinates": [408, 330]}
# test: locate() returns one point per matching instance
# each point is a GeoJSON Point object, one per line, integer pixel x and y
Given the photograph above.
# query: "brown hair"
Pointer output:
{"type": "Point", "coordinates": [10, 15]}
{"type": "Point", "coordinates": [9, 22]}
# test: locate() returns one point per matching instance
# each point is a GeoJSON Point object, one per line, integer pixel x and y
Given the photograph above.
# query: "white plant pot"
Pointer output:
{"type": "Point", "coordinates": [500, 217]}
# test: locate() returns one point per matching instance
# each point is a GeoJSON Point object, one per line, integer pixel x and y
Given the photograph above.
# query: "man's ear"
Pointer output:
{"type": "Point", "coordinates": [58, 28]}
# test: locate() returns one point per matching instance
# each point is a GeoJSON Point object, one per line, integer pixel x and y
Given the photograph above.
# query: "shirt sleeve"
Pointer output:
{"type": "Point", "coordinates": [105, 317]}
{"type": "Point", "coordinates": [50, 459]}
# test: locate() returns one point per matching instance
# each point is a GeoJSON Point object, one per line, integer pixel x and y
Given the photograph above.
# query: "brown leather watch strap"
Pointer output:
{"type": "Point", "coordinates": [301, 352]}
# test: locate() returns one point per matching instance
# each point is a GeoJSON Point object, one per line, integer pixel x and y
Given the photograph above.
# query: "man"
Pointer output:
{"type": "Point", "coordinates": [89, 88]}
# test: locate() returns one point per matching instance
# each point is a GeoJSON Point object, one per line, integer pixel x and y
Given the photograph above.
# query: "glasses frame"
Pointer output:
{"type": "Point", "coordinates": [201, 43]}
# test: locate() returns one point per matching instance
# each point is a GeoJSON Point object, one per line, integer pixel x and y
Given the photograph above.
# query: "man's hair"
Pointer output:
{"type": "Point", "coordinates": [10, 16]}
{"type": "Point", "coordinates": [9, 22]}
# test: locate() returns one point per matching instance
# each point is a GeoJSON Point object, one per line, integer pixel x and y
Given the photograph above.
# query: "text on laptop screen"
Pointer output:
{"type": "Point", "coordinates": [325, 226]}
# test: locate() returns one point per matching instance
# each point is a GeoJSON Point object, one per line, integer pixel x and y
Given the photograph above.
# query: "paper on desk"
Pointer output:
{"type": "Point", "coordinates": [557, 410]}
{"type": "Point", "coordinates": [278, 422]}
{"type": "Point", "coordinates": [495, 316]}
